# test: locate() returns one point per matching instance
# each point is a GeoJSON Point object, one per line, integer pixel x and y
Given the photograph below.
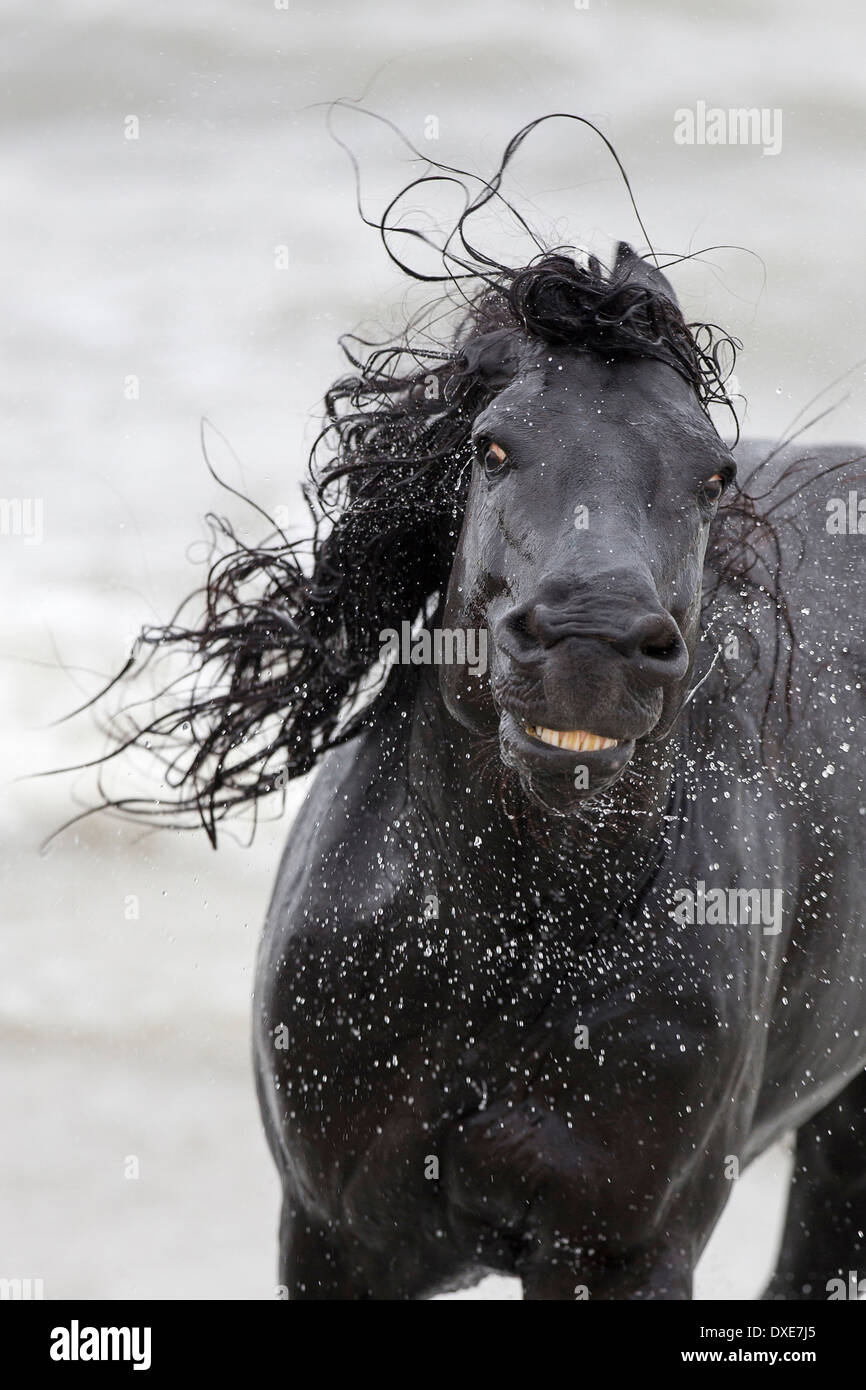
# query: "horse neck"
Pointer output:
{"type": "Point", "coordinates": [486, 831]}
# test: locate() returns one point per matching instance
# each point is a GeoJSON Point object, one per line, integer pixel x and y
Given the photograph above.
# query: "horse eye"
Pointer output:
{"type": "Point", "coordinates": [714, 487]}
{"type": "Point", "coordinates": [493, 458]}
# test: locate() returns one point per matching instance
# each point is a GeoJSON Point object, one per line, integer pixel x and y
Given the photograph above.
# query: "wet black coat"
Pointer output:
{"type": "Point", "coordinates": [437, 940]}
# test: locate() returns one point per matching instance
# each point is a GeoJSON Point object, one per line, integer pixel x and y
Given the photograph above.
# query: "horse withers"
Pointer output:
{"type": "Point", "coordinates": [555, 950]}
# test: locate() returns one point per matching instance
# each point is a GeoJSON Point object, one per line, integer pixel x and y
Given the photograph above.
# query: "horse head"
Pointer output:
{"type": "Point", "coordinates": [596, 474]}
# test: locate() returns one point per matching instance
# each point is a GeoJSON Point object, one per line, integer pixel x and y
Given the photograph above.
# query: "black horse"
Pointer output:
{"type": "Point", "coordinates": [555, 952]}
{"type": "Point", "coordinates": [565, 937]}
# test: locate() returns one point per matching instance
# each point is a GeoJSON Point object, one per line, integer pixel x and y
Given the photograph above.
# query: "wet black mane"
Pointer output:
{"type": "Point", "coordinates": [583, 309]}
{"type": "Point", "coordinates": [278, 661]}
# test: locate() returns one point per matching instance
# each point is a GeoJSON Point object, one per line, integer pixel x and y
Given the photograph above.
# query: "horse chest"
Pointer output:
{"type": "Point", "coordinates": [528, 1053]}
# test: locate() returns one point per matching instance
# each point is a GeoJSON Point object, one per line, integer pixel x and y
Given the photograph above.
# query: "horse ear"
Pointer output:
{"type": "Point", "coordinates": [641, 272]}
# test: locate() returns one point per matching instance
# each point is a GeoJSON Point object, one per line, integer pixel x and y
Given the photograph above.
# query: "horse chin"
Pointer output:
{"type": "Point", "coordinates": [561, 780]}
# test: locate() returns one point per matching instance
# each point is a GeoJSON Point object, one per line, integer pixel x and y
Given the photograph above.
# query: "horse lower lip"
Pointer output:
{"type": "Point", "coordinates": [575, 740]}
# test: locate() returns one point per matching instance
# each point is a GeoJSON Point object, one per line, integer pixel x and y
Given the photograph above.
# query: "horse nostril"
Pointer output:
{"type": "Point", "coordinates": [655, 642]}
{"type": "Point", "coordinates": [661, 651]}
{"type": "Point", "coordinates": [518, 626]}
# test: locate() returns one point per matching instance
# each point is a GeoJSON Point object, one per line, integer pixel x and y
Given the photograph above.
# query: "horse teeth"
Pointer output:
{"type": "Point", "coordinates": [576, 740]}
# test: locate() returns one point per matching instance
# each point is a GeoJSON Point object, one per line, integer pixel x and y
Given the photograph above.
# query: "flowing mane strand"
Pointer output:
{"type": "Point", "coordinates": [280, 661]}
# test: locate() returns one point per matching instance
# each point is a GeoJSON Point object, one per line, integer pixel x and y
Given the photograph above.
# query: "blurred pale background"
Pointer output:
{"type": "Point", "coordinates": [155, 258]}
